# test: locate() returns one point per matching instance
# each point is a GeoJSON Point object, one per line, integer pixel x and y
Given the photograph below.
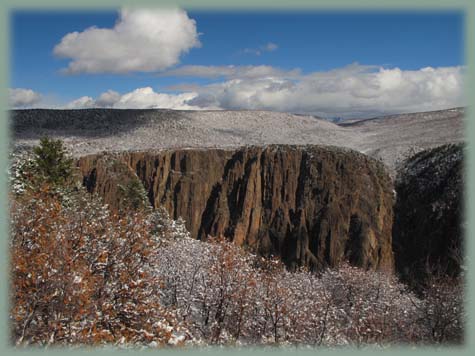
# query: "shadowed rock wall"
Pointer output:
{"type": "Point", "coordinates": [428, 225]}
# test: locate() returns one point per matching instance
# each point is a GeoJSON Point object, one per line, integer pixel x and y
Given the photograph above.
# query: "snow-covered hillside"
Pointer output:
{"type": "Point", "coordinates": [96, 130]}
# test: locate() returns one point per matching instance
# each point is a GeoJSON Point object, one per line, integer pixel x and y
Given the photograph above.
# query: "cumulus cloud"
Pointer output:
{"type": "Point", "coordinates": [84, 102]}
{"type": "Point", "coordinates": [352, 91]}
{"type": "Point", "coordinates": [141, 98]}
{"type": "Point", "coordinates": [141, 40]}
{"type": "Point", "coordinates": [107, 99]}
{"type": "Point", "coordinates": [147, 98]}
{"type": "Point", "coordinates": [22, 98]}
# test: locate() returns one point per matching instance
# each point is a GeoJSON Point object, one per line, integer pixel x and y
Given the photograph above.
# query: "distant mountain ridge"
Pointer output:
{"type": "Point", "coordinates": [88, 131]}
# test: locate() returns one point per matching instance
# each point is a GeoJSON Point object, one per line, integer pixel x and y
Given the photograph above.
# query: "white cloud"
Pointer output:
{"type": "Point", "coordinates": [22, 98]}
{"type": "Point", "coordinates": [107, 99]}
{"type": "Point", "coordinates": [349, 91]}
{"type": "Point", "coordinates": [84, 102]}
{"type": "Point", "coordinates": [141, 98]}
{"type": "Point", "coordinates": [146, 98]}
{"type": "Point", "coordinates": [141, 40]}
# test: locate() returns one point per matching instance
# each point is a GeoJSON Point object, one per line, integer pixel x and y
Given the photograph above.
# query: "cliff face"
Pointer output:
{"type": "Point", "coordinates": [310, 205]}
{"type": "Point", "coordinates": [428, 224]}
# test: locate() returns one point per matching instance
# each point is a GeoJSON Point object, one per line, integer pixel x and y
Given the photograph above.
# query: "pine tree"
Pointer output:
{"type": "Point", "coordinates": [52, 162]}
{"type": "Point", "coordinates": [134, 195]}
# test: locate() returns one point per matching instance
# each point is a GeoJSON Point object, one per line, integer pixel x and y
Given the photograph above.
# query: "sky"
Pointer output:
{"type": "Point", "coordinates": [331, 64]}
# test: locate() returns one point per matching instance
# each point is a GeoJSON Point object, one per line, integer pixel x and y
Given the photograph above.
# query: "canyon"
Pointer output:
{"type": "Point", "coordinates": [300, 188]}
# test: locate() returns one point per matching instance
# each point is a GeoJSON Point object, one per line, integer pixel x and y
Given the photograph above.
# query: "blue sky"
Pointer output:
{"type": "Point", "coordinates": [311, 42]}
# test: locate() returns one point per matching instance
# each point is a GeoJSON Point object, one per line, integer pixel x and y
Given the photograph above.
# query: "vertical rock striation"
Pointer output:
{"type": "Point", "coordinates": [309, 205]}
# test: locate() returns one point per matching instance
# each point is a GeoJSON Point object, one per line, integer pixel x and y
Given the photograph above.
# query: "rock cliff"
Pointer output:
{"type": "Point", "coordinates": [309, 205]}
{"type": "Point", "coordinates": [428, 213]}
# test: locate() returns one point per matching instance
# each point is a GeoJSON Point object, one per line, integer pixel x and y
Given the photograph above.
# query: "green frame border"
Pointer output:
{"type": "Point", "coordinates": [467, 7]}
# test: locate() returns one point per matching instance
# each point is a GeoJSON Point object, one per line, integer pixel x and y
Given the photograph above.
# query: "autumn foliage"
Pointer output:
{"type": "Point", "coordinates": [82, 275]}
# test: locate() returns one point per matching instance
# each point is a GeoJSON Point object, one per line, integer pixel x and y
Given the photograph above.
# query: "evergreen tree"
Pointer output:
{"type": "Point", "coordinates": [52, 162]}
{"type": "Point", "coordinates": [134, 196]}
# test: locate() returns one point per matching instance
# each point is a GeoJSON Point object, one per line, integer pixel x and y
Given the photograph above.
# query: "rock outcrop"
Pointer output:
{"type": "Point", "coordinates": [310, 205]}
{"type": "Point", "coordinates": [428, 225]}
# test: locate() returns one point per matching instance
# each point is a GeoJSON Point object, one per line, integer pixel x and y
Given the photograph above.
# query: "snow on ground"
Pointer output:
{"type": "Point", "coordinates": [85, 132]}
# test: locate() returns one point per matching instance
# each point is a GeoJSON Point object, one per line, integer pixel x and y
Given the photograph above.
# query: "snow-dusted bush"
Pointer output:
{"type": "Point", "coordinates": [442, 309]}
{"type": "Point", "coordinates": [81, 274]}
{"type": "Point", "coordinates": [228, 296]}
{"type": "Point", "coordinates": [20, 172]}
{"type": "Point", "coordinates": [166, 228]}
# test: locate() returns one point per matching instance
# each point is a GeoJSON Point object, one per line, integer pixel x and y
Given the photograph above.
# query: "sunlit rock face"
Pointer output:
{"type": "Point", "coordinates": [310, 205]}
